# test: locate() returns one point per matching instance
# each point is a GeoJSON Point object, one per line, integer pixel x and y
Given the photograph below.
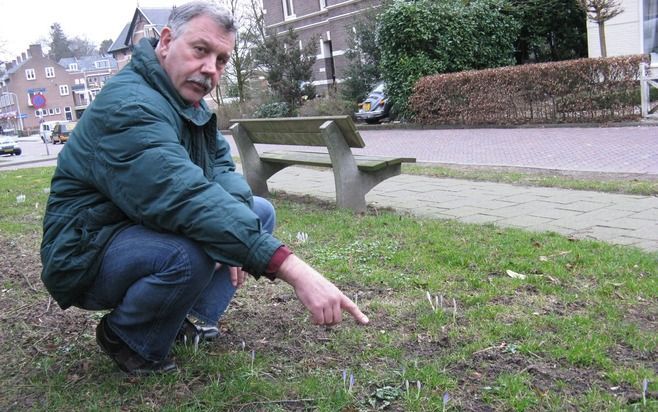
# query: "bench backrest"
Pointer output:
{"type": "Point", "coordinates": [298, 131]}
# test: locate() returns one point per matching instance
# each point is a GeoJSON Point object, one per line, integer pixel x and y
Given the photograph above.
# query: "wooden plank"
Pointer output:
{"type": "Point", "coordinates": [365, 163]}
{"type": "Point", "coordinates": [299, 130]}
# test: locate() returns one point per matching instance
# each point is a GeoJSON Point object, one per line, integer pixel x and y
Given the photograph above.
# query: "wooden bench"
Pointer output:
{"type": "Point", "coordinates": [355, 175]}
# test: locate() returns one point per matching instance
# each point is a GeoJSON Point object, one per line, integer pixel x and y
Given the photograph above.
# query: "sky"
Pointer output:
{"type": "Point", "coordinates": [25, 22]}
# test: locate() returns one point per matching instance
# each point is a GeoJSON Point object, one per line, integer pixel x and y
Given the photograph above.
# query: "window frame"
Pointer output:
{"type": "Point", "coordinates": [102, 64]}
{"type": "Point", "coordinates": [288, 9]}
{"type": "Point", "coordinates": [30, 74]}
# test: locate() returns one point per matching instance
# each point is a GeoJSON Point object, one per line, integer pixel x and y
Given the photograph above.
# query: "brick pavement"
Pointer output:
{"type": "Point", "coordinates": [588, 149]}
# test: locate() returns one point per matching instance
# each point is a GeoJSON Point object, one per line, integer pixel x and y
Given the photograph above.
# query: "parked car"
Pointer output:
{"type": "Point", "coordinates": [46, 129]}
{"type": "Point", "coordinates": [61, 132]}
{"type": "Point", "coordinates": [8, 145]}
{"type": "Point", "coordinates": [376, 106]}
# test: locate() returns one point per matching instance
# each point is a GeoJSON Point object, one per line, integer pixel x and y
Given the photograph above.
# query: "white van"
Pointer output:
{"type": "Point", "coordinates": [46, 128]}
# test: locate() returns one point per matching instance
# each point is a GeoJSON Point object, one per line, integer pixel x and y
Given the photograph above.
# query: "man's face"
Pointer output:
{"type": "Point", "coordinates": [196, 58]}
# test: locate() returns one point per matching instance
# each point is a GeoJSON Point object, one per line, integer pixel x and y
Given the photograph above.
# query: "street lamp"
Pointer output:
{"type": "Point", "coordinates": [18, 107]}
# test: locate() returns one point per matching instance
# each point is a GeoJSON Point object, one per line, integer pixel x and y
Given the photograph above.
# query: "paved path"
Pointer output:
{"type": "Point", "coordinates": [619, 219]}
{"type": "Point", "coordinates": [627, 150]}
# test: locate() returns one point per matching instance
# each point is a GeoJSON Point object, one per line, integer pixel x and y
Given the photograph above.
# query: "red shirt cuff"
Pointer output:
{"type": "Point", "coordinates": [277, 259]}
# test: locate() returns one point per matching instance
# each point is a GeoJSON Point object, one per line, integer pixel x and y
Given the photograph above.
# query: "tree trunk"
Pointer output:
{"type": "Point", "coordinates": [604, 50]}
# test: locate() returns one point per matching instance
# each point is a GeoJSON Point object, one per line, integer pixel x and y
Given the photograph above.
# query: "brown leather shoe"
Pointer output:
{"type": "Point", "coordinates": [126, 359]}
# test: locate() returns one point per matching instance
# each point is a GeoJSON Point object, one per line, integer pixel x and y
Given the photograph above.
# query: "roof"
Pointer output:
{"type": "Point", "coordinates": [158, 17]}
{"type": "Point", "coordinates": [88, 63]}
{"type": "Point", "coordinates": [120, 42]}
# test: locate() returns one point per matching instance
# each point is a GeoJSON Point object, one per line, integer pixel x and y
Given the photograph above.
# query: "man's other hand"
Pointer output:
{"type": "Point", "coordinates": [238, 276]}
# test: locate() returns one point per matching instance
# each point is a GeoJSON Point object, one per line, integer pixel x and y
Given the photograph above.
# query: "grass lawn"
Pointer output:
{"type": "Point", "coordinates": [463, 318]}
{"type": "Point", "coordinates": [646, 185]}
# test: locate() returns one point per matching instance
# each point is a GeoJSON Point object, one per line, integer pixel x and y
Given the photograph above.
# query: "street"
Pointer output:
{"type": "Point", "coordinates": [35, 153]}
{"type": "Point", "coordinates": [622, 149]}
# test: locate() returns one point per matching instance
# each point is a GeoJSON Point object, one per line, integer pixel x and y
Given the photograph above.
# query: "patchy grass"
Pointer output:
{"type": "Point", "coordinates": [601, 182]}
{"type": "Point", "coordinates": [447, 322]}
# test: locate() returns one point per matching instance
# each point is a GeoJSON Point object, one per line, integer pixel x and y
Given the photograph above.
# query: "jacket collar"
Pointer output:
{"type": "Point", "coordinates": [146, 63]}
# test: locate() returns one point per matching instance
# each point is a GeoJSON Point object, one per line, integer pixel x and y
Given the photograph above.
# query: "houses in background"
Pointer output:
{"type": "Point", "coordinates": [35, 88]}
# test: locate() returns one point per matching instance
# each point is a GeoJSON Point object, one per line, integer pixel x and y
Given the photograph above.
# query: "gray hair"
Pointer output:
{"type": "Point", "coordinates": [181, 15]}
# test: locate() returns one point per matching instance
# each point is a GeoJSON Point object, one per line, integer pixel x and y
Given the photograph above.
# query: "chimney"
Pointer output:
{"type": "Point", "coordinates": [35, 50]}
{"type": "Point", "coordinates": [18, 60]}
{"type": "Point", "coordinates": [10, 65]}
{"type": "Point", "coordinates": [24, 56]}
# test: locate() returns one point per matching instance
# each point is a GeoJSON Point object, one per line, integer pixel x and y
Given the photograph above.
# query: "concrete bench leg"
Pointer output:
{"type": "Point", "coordinates": [255, 171]}
{"type": "Point", "coordinates": [350, 190]}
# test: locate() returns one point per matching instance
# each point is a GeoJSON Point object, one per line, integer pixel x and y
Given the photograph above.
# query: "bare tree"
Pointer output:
{"type": "Point", "coordinates": [600, 11]}
{"type": "Point", "coordinates": [242, 66]}
{"type": "Point", "coordinates": [81, 47]}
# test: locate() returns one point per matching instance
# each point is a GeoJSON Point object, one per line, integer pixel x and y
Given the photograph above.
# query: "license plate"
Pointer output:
{"type": "Point", "coordinates": [366, 107]}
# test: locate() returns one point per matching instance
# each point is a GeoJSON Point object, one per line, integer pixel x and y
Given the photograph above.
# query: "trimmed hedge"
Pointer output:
{"type": "Point", "coordinates": [574, 91]}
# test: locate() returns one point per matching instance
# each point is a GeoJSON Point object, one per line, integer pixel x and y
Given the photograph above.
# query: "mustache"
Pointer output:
{"type": "Point", "coordinates": [203, 81]}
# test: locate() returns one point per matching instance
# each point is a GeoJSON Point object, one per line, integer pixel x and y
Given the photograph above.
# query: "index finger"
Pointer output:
{"type": "Point", "coordinates": [347, 304]}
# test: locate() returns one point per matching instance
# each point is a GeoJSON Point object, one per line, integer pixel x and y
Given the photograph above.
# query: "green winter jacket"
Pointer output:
{"type": "Point", "coordinates": [141, 155]}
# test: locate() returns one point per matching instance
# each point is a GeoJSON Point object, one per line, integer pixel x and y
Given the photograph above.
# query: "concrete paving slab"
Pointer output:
{"type": "Point", "coordinates": [583, 206]}
{"type": "Point", "coordinates": [523, 221]}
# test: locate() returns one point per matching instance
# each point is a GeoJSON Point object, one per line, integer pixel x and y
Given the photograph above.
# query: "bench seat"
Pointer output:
{"type": "Point", "coordinates": [306, 158]}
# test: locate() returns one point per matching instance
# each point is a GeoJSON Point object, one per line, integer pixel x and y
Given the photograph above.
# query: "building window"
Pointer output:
{"type": "Point", "coordinates": [64, 90]}
{"type": "Point", "coordinates": [650, 26]}
{"type": "Point", "coordinates": [102, 64]}
{"type": "Point", "coordinates": [50, 72]}
{"type": "Point", "coordinates": [58, 110]}
{"type": "Point", "coordinates": [30, 74]}
{"type": "Point", "coordinates": [73, 67]}
{"type": "Point", "coordinates": [67, 113]}
{"type": "Point", "coordinates": [288, 9]}
{"type": "Point", "coordinates": [323, 4]}
{"type": "Point", "coordinates": [51, 112]}
{"type": "Point", "coordinates": [151, 31]}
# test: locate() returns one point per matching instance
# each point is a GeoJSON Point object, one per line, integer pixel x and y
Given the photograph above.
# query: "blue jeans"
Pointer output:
{"type": "Point", "coordinates": [153, 280]}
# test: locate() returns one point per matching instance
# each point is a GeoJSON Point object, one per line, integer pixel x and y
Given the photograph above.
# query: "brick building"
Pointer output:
{"type": "Point", "coordinates": [34, 79]}
{"type": "Point", "coordinates": [36, 88]}
{"type": "Point", "coordinates": [91, 73]}
{"type": "Point", "coordinates": [331, 20]}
